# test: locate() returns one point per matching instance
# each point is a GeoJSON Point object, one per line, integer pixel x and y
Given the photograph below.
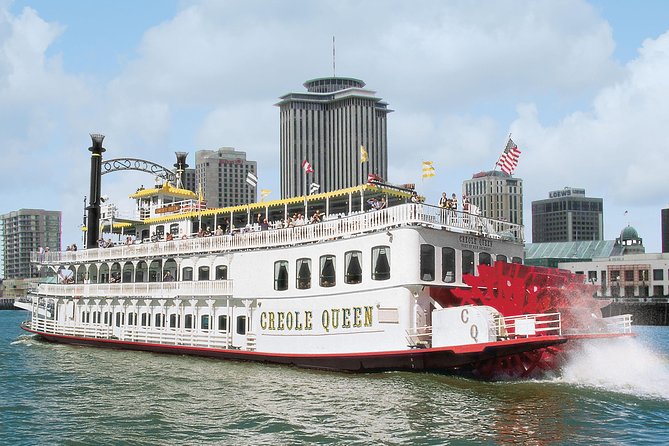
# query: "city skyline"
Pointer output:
{"type": "Point", "coordinates": [580, 85]}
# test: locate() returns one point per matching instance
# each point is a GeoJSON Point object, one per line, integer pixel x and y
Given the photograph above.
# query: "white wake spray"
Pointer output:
{"type": "Point", "coordinates": [622, 365]}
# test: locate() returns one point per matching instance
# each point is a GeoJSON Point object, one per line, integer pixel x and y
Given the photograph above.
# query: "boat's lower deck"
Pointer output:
{"type": "Point", "coordinates": [442, 359]}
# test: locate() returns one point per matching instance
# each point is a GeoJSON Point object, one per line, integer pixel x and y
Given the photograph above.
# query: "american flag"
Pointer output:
{"type": "Point", "coordinates": [508, 161]}
{"type": "Point", "coordinates": [306, 165]}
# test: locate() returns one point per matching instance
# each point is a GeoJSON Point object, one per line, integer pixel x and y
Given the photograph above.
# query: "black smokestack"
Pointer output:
{"type": "Point", "coordinates": [93, 223]}
{"type": "Point", "coordinates": [180, 166]}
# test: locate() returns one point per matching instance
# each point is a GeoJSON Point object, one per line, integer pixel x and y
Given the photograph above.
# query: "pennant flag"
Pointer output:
{"type": "Point", "coordinates": [307, 167]}
{"type": "Point", "coordinates": [251, 179]}
{"type": "Point", "coordinates": [363, 154]}
{"type": "Point", "coordinates": [314, 188]}
{"type": "Point", "coordinates": [428, 169]}
{"type": "Point", "coordinates": [264, 193]}
{"type": "Point", "coordinates": [508, 161]}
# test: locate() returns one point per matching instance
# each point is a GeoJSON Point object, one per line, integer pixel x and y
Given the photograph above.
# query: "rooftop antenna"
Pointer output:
{"type": "Point", "coordinates": [334, 71]}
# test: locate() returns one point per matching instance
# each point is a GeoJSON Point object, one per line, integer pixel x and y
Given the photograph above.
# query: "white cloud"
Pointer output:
{"type": "Point", "coordinates": [455, 72]}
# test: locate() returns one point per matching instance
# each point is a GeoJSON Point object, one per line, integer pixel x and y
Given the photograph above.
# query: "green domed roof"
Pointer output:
{"type": "Point", "coordinates": [629, 233]}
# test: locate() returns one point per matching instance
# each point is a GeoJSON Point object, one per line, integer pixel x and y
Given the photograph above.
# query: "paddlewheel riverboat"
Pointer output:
{"type": "Point", "coordinates": [408, 286]}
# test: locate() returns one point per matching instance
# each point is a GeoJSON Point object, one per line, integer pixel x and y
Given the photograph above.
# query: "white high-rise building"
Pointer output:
{"type": "Point", "coordinates": [497, 195]}
{"type": "Point", "coordinates": [221, 175]}
{"type": "Point", "coordinates": [326, 126]}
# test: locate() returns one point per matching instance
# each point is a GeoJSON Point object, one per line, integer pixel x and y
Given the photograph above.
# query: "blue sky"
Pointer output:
{"type": "Point", "coordinates": [583, 87]}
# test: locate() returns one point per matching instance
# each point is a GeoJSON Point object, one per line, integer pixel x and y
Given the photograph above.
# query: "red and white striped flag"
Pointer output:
{"type": "Point", "coordinates": [508, 161]}
{"type": "Point", "coordinates": [307, 167]}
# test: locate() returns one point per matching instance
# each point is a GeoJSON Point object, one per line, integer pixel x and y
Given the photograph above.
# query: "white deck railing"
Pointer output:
{"type": "Point", "coordinates": [405, 214]}
{"type": "Point", "coordinates": [166, 336]}
{"type": "Point", "coordinates": [505, 328]}
{"type": "Point", "coordinates": [154, 289]}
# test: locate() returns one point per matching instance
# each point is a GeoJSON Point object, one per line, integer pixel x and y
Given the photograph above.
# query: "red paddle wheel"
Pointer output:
{"type": "Point", "coordinates": [514, 289]}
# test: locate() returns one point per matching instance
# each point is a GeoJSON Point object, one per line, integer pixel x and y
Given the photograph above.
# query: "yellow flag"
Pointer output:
{"type": "Point", "coordinates": [264, 193]}
{"type": "Point", "coordinates": [363, 154]}
{"type": "Point", "coordinates": [428, 169]}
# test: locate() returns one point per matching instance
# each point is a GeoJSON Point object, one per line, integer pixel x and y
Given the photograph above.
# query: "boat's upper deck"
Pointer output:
{"type": "Point", "coordinates": [403, 215]}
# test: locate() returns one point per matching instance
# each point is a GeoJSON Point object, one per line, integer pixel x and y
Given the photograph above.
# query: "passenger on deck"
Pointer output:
{"type": "Point", "coordinates": [169, 237]}
{"type": "Point", "coordinates": [108, 243]}
{"type": "Point", "coordinates": [414, 197]}
{"type": "Point", "coordinates": [316, 218]}
{"type": "Point", "coordinates": [454, 202]}
{"type": "Point", "coordinates": [264, 226]}
{"type": "Point", "coordinates": [219, 230]}
{"type": "Point", "coordinates": [444, 202]}
{"type": "Point", "coordinates": [382, 203]}
{"type": "Point", "coordinates": [167, 277]}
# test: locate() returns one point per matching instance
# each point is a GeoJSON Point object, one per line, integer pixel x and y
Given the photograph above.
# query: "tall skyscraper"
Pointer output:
{"type": "Point", "coordinates": [222, 176]}
{"type": "Point", "coordinates": [665, 230]}
{"type": "Point", "coordinates": [498, 195]}
{"type": "Point", "coordinates": [25, 231]}
{"type": "Point", "coordinates": [567, 215]}
{"type": "Point", "coordinates": [327, 126]}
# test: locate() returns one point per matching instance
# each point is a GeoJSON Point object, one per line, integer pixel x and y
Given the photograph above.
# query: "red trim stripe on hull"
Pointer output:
{"type": "Point", "coordinates": [428, 359]}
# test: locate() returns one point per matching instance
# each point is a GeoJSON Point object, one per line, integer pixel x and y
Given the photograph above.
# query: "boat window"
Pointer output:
{"type": "Point", "coordinates": [81, 274]}
{"type": "Point", "coordinates": [485, 258]}
{"type": "Point", "coordinates": [160, 231]}
{"type": "Point", "coordinates": [104, 273]}
{"type": "Point", "coordinates": [380, 263]}
{"type": "Point", "coordinates": [160, 320]}
{"type": "Point", "coordinates": [517, 260]}
{"type": "Point", "coordinates": [119, 319]}
{"type": "Point", "coordinates": [175, 321]}
{"type": "Point", "coordinates": [145, 319]}
{"type": "Point", "coordinates": [132, 318]}
{"type": "Point", "coordinates": [85, 317]}
{"type": "Point", "coordinates": [328, 277]}
{"type": "Point", "coordinates": [204, 322]}
{"type": "Point", "coordinates": [353, 261]}
{"type": "Point", "coordinates": [188, 321]}
{"type": "Point", "coordinates": [97, 316]}
{"type": "Point", "coordinates": [174, 229]}
{"type": "Point", "coordinates": [241, 325]}
{"type": "Point", "coordinates": [467, 262]}
{"type": "Point", "coordinates": [108, 318]}
{"type": "Point", "coordinates": [128, 270]}
{"type": "Point", "coordinates": [501, 258]}
{"type": "Point", "coordinates": [140, 272]}
{"type": "Point", "coordinates": [93, 274]}
{"type": "Point", "coordinates": [187, 274]}
{"type": "Point", "coordinates": [155, 274]}
{"type": "Point", "coordinates": [203, 273]}
{"type": "Point", "coordinates": [145, 234]}
{"type": "Point", "coordinates": [115, 273]}
{"type": "Point", "coordinates": [426, 262]}
{"type": "Point", "coordinates": [281, 275]}
{"type": "Point", "coordinates": [221, 272]}
{"type": "Point", "coordinates": [448, 265]}
{"type": "Point", "coordinates": [303, 268]}
{"type": "Point", "coordinates": [223, 323]}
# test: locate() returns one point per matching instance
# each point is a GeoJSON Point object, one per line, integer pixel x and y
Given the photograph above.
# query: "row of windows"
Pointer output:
{"type": "Point", "coordinates": [448, 262]}
{"type": "Point", "coordinates": [327, 276]}
{"type": "Point", "coordinates": [174, 321]}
